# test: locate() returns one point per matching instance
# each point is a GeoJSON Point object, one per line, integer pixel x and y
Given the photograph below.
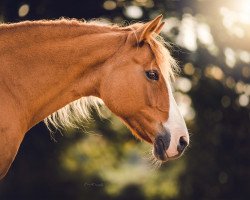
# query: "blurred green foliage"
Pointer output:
{"type": "Point", "coordinates": [212, 46]}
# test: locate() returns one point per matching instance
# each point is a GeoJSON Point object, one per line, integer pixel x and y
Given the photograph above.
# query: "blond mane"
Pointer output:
{"type": "Point", "coordinates": [72, 115]}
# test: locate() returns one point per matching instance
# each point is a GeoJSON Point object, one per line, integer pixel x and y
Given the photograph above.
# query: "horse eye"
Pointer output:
{"type": "Point", "coordinates": [152, 75]}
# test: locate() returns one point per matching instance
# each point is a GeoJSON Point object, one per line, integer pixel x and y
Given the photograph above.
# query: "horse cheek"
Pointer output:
{"type": "Point", "coordinates": [163, 99]}
{"type": "Point", "coordinates": [151, 95]}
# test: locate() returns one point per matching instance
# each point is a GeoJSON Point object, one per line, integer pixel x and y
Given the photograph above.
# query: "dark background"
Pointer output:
{"type": "Point", "coordinates": [212, 45]}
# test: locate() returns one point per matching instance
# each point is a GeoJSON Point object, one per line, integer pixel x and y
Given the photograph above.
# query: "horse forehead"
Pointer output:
{"type": "Point", "coordinates": [144, 56]}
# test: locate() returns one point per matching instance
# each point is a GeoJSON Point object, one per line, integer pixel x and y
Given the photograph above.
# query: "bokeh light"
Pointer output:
{"type": "Point", "coordinates": [134, 12]}
{"type": "Point", "coordinates": [109, 5]}
{"type": "Point", "coordinates": [23, 10]}
{"type": "Point", "coordinates": [243, 100]}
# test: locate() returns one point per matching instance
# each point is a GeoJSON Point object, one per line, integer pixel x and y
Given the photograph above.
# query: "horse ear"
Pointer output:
{"type": "Point", "coordinates": [150, 27]}
{"type": "Point", "coordinates": [159, 28]}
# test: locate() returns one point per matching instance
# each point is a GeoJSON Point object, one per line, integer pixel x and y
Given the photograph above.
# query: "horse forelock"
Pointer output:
{"type": "Point", "coordinates": [164, 60]}
{"type": "Point", "coordinates": [159, 47]}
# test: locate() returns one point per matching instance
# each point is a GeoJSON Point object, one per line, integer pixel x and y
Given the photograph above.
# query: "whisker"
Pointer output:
{"type": "Point", "coordinates": [152, 162]}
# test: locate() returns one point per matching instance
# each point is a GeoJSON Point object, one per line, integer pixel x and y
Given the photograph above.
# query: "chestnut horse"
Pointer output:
{"type": "Point", "coordinates": [53, 70]}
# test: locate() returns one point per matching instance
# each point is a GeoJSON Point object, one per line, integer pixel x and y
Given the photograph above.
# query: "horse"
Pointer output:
{"type": "Point", "coordinates": [54, 70]}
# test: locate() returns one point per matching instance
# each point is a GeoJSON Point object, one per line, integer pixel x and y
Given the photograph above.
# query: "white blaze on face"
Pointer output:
{"type": "Point", "coordinates": [175, 124]}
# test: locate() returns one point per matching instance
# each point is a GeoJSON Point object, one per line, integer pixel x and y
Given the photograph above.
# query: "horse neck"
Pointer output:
{"type": "Point", "coordinates": [48, 66]}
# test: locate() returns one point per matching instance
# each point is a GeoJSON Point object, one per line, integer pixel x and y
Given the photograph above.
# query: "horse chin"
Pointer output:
{"type": "Point", "coordinates": [143, 136]}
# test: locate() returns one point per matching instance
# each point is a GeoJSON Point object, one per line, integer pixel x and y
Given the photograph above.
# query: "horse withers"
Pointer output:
{"type": "Point", "coordinates": [54, 69]}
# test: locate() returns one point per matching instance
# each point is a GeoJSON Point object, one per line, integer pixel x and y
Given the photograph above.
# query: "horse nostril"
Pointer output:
{"type": "Point", "coordinates": [182, 145]}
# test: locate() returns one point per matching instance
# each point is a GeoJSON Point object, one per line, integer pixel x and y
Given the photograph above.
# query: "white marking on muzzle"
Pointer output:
{"type": "Point", "coordinates": [175, 124]}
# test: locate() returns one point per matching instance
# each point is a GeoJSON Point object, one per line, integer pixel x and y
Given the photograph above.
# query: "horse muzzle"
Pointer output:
{"type": "Point", "coordinates": [162, 143]}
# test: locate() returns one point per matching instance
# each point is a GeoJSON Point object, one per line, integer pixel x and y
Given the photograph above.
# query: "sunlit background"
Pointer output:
{"type": "Point", "coordinates": [211, 41]}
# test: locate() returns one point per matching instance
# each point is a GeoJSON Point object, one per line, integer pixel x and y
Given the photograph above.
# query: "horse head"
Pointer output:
{"type": "Point", "coordinates": [136, 86]}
